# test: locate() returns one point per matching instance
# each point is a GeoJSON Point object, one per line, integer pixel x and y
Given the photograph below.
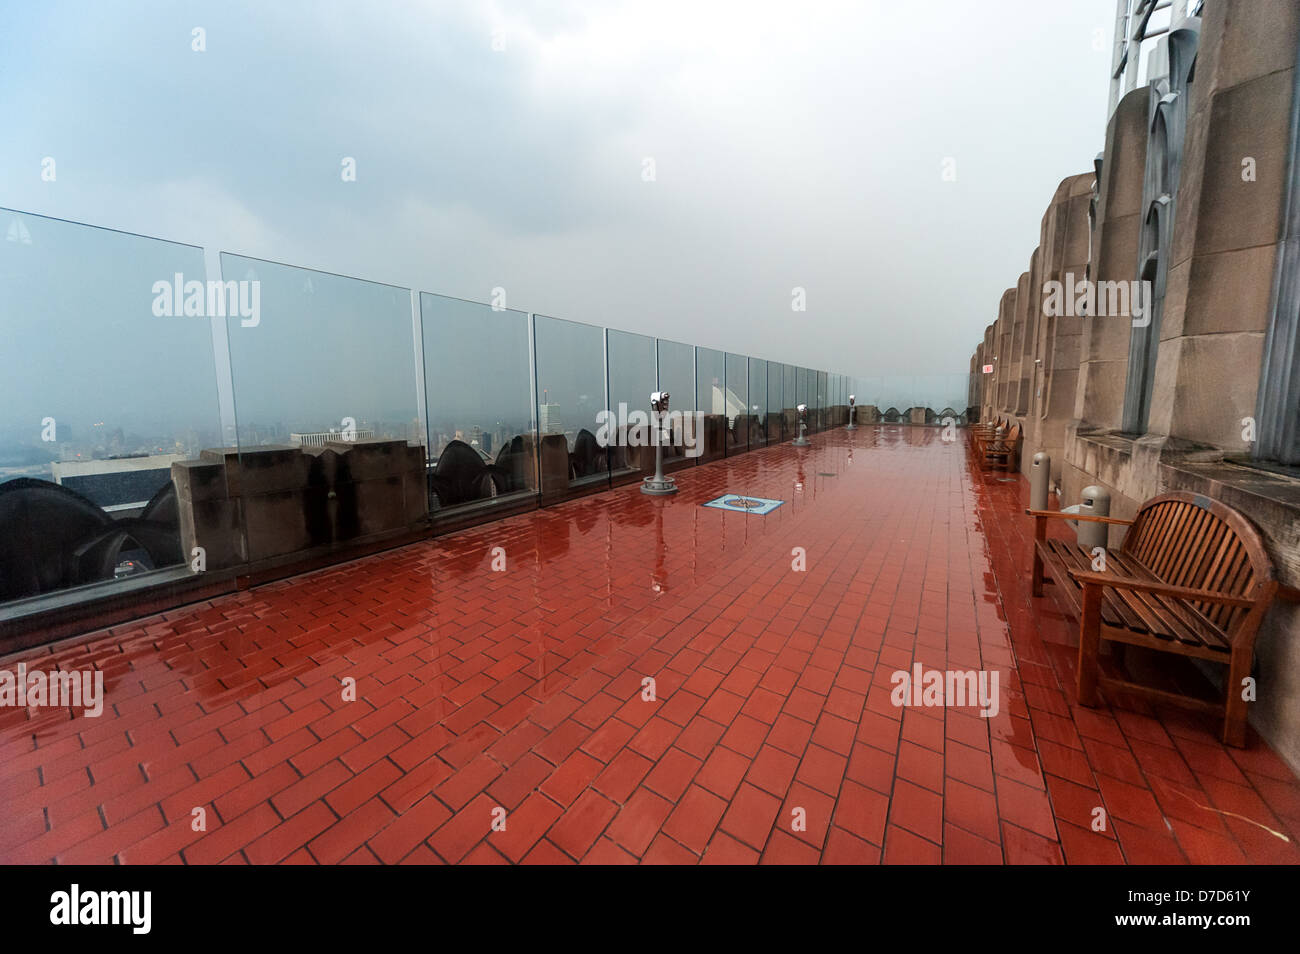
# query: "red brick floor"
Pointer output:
{"type": "Point", "coordinates": [520, 691]}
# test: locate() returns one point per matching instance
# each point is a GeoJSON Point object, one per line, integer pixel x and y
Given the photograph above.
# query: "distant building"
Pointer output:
{"type": "Point", "coordinates": [548, 419]}
{"type": "Point", "coordinates": [117, 483]}
{"type": "Point", "coordinates": [320, 438]}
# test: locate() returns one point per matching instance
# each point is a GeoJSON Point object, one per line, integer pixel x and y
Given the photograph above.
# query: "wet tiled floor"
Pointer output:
{"type": "Point", "coordinates": [501, 709]}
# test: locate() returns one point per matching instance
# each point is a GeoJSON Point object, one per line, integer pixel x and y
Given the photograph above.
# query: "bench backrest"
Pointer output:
{"type": "Point", "coordinates": [1190, 540]}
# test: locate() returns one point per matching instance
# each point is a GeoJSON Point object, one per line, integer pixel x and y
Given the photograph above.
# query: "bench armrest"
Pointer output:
{"type": "Point", "coordinates": [1159, 589]}
{"type": "Point", "coordinates": [1085, 517]}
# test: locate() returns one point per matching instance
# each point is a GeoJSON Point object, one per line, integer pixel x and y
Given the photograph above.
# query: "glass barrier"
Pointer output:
{"type": "Point", "coordinates": [108, 484]}
{"type": "Point", "coordinates": [328, 409]}
{"type": "Point", "coordinates": [710, 378]}
{"type": "Point", "coordinates": [479, 409]}
{"type": "Point", "coordinates": [330, 358]}
{"type": "Point", "coordinates": [677, 377]}
{"type": "Point", "coordinates": [570, 364]}
{"type": "Point", "coordinates": [790, 397]}
{"type": "Point", "coordinates": [895, 396]}
{"type": "Point", "coordinates": [775, 402]}
{"type": "Point", "coordinates": [143, 442]}
{"type": "Point", "coordinates": [801, 396]}
{"type": "Point", "coordinates": [738, 413]}
{"type": "Point", "coordinates": [823, 407]}
{"type": "Point", "coordinates": [758, 402]}
{"type": "Point", "coordinates": [632, 377]}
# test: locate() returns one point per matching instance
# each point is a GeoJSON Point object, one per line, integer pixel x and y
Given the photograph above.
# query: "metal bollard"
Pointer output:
{"type": "Point", "coordinates": [852, 404]}
{"type": "Point", "coordinates": [1040, 473]}
{"type": "Point", "coordinates": [1096, 503]}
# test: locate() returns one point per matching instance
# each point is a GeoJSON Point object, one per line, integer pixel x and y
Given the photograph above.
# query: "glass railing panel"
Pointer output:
{"type": "Point", "coordinates": [896, 398]}
{"type": "Point", "coordinates": [944, 396]}
{"type": "Point", "coordinates": [330, 439]}
{"type": "Point", "coordinates": [570, 365]}
{"type": "Point", "coordinates": [677, 377]}
{"type": "Point", "coordinates": [108, 404]}
{"type": "Point", "coordinates": [758, 402]}
{"type": "Point", "coordinates": [758, 405]}
{"type": "Point", "coordinates": [739, 415]}
{"type": "Point", "coordinates": [479, 409]}
{"type": "Point", "coordinates": [823, 406]}
{"type": "Point", "coordinates": [710, 400]}
{"type": "Point", "coordinates": [789, 399]}
{"type": "Point", "coordinates": [632, 378]}
{"type": "Point", "coordinates": [775, 402]}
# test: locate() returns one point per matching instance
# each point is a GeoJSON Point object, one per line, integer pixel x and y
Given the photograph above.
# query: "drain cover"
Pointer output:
{"type": "Point", "coordinates": [1011, 480]}
{"type": "Point", "coordinates": [744, 503]}
{"type": "Point", "coordinates": [822, 473]}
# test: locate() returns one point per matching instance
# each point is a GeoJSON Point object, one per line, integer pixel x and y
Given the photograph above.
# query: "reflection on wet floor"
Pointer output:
{"type": "Point", "coordinates": [506, 667]}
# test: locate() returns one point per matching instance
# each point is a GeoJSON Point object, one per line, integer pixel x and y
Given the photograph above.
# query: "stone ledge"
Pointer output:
{"type": "Point", "coordinates": [1270, 500]}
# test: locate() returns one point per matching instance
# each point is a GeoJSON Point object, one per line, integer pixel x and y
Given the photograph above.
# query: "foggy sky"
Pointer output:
{"type": "Point", "coordinates": [793, 144]}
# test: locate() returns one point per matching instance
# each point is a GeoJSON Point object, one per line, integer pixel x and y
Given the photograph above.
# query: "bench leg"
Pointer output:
{"type": "Point", "coordinates": [1234, 716]}
{"type": "Point", "coordinates": [1089, 645]}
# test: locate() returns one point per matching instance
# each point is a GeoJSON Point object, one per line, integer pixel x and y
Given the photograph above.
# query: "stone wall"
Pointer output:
{"type": "Point", "coordinates": [265, 508]}
{"type": "Point", "coordinates": [1216, 254]}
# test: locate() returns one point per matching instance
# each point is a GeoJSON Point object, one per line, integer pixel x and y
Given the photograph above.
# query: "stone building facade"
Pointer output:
{"type": "Point", "coordinates": [1182, 369]}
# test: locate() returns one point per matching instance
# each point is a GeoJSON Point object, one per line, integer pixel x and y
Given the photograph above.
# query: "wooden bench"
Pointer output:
{"type": "Point", "coordinates": [987, 429]}
{"type": "Point", "coordinates": [1192, 578]}
{"type": "Point", "coordinates": [981, 434]}
{"type": "Point", "coordinates": [1001, 452]}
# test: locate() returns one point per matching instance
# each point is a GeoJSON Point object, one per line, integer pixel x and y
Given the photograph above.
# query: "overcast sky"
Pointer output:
{"type": "Point", "coordinates": [793, 145]}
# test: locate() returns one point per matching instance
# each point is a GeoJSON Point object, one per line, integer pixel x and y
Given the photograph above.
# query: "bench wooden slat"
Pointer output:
{"type": "Point", "coordinates": [1165, 618]}
{"type": "Point", "coordinates": [1180, 553]}
{"type": "Point", "coordinates": [1192, 578]}
{"type": "Point", "coordinates": [1236, 571]}
{"type": "Point", "coordinates": [1199, 568]}
{"type": "Point", "coordinates": [1142, 618]}
{"type": "Point", "coordinates": [1169, 541]}
{"type": "Point", "coordinates": [1216, 549]}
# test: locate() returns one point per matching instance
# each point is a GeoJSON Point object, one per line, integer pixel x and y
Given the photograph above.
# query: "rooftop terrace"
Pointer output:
{"type": "Point", "coordinates": [513, 679]}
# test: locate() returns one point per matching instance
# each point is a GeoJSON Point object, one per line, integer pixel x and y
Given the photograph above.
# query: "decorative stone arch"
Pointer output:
{"type": "Point", "coordinates": [1166, 130]}
{"type": "Point", "coordinates": [1144, 340]}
